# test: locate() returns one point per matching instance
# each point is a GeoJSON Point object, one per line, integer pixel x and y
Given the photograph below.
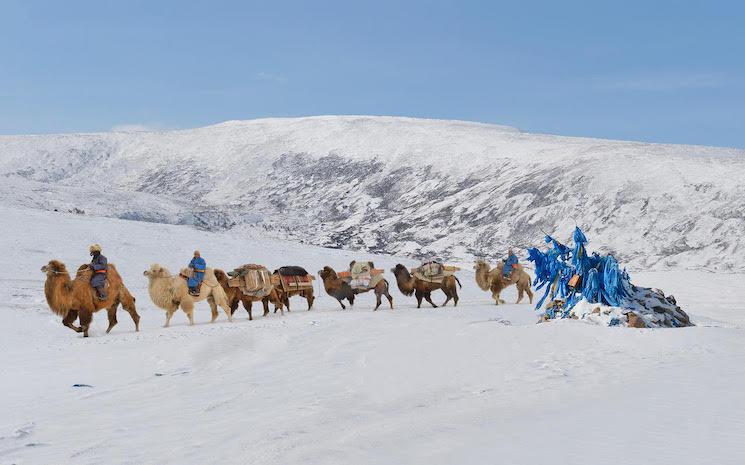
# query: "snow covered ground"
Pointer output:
{"type": "Point", "coordinates": [476, 384]}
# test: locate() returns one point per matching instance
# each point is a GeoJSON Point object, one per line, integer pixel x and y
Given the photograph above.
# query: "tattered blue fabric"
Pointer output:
{"type": "Point", "coordinates": [600, 278]}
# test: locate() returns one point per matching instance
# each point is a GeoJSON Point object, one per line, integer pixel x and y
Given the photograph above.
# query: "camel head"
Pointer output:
{"type": "Point", "coordinates": [157, 271]}
{"type": "Point", "coordinates": [327, 272]}
{"type": "Point", "coordinates": [480, 265]}
{"type": "Point", "coordinates": [54, 267]}
{"type": "Point", "coordinates": [399, 269]}
{"type": "Point", "coordinates": [483, 278]}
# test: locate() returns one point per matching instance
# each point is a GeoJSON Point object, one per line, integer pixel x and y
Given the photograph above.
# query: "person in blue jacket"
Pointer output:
{"type": "Point", "coordinates": [509, 263]}
{"type": "Point", "coordinates": [199, 266]}
{"type": "Point", "coordinates": [100, 267]}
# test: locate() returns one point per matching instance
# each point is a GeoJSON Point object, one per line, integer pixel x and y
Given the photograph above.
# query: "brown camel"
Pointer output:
{"type": "Point", "coordinates": [71, 299]}
{"type": "Point", "coordinates": [495, 281]}
{"type": "Point", "coordinates": [409, 285]}
{"type": "Point", "coordinates": [284, 295]}
{"type": "Point", "coordinates": [236, 296]}
{"type": "Point", "coordinates": [340, 289]}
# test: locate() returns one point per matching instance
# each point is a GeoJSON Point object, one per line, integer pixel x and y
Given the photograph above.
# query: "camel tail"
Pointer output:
{"type": "Point", "coordinates": [458, 281]}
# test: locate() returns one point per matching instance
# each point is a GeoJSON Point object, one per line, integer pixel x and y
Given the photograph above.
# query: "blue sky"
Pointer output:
{"type": "Point", "coordinates": [665, 71]}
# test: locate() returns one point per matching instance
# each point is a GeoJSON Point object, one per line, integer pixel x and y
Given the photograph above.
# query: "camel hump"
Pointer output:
{"type": "Point", "coordinates": [221, 276]}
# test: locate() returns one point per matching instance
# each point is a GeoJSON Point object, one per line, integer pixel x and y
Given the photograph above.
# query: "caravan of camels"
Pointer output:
{"type": "Point", "coordinates": [80, 297]}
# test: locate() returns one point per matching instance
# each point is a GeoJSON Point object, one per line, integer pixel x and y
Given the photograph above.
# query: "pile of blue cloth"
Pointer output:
{"type": "Point", "coordinates": [598, 278]}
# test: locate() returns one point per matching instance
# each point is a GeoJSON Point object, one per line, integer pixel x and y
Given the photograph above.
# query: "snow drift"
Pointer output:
{"type": "Point", "coordinates": [400, 186]}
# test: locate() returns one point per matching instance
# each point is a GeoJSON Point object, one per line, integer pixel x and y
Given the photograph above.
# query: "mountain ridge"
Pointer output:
{"type": "Point", "coordinates": [396, 185]}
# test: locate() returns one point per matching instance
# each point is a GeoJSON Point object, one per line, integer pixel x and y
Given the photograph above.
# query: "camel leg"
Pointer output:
{"type": "Point", "coordinates": [86, 317]}
{"type": "Point", "coordinates": [226, 308]}
{"type": "Point", "coordinates": [286, 302]}
{"type": "Point", "coordinates": [530, 295]}
{"type": "Point", "coordinates": [342, 304]}
{"type": "Point", "coordinates": [247, 305]}
{"type": "Point", "coordinates": [213, 308]}
{"type": "Point", "coordinates": [234, 306]}
{"type": "Point", "coordinates": [135, 316]}
{"type": "Point", "coordinates": [169, 314]}
{"type": "Point", "coordinates": [520, 293]}
{"type": "Point", "coordinates": [69, 321]}
{"type": "Point", "coordinates": [419, 296]}
{"type": "Point", "coordinates": [351, 300]}
{"type": "Point", "coordinates": [128, 303]}
{"type": "Point", "coordinates": [378, 300]}
{"type": "Point", "coordinates": [265, 304]}
{"type": "Point", "coordinates": [310, 300]}
{"type": "Point", "coordinates": [448, 296]}
{"type": "Point", "coordinates": [188, 307]}
{"type": "Point", "coordinates": [111, 312]}
{"type": "Point", "coordinates": [428, 298]}
{"type": "Point", "coordinates": [279, 304]}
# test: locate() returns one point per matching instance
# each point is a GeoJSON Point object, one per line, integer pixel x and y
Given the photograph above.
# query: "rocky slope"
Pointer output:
{"type": "Point", "coordinates": [399, 185]}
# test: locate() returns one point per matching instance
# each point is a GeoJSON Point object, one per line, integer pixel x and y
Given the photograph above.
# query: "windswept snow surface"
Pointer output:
{"type": "Point", "coordinates": [476, 384]}
{"type": "Point", "coordinates": [403, 186]}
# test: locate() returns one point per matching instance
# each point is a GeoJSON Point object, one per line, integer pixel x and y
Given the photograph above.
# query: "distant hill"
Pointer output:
{"type": "Point", "coordinates": [399, 185]}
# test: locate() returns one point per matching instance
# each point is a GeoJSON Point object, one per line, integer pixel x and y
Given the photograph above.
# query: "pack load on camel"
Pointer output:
{"type": "Point", "coordinates": [434, 271]}
{"type": "Point", "coordinates": [593, 287]}
{"type": "Point", "coordinates": [430, 276]}
{"type": "Point", "coordinates": [290, 281]}
{"type": "Point", "coordinates": [362, 275]}
{"type": "Point", "coordinates": [292, 278]}
{"type": "Point", "coordinates": [253, 280]}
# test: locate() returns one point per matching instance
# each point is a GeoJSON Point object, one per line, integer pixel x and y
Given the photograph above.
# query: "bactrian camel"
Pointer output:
{"type": "Point", "coordinates": [409, 285]}
{"type": "Point", "coordinates": [170, 292]}
{"type": "Point", "coordinates": [235, 296]}
{"type": "Point", "coordinates": [494, 281]}
{"type": "Point", "coordinates": [340, 289]}
{"type": "Point", "coordinates": [75, 298]}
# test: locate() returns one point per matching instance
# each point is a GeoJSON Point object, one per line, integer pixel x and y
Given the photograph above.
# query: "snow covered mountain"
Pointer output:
{"type": "Point", "coordinates": [399, 185]}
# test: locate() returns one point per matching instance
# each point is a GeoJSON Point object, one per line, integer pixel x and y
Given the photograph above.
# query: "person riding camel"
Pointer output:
{"type": "Point", "coordinates": [100, 267]}
{"type": "Point", "coordinates": [198, 266]}
{"type": "Point", "coordinates": [509, 263]}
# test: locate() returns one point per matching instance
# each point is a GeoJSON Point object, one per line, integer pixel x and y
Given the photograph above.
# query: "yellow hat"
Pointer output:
{"type": "Point", "coordinates": [94, 248]}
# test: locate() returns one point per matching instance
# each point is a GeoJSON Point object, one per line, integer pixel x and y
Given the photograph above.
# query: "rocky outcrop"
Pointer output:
{"type": "Point", "coordinates": [647, 308]}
